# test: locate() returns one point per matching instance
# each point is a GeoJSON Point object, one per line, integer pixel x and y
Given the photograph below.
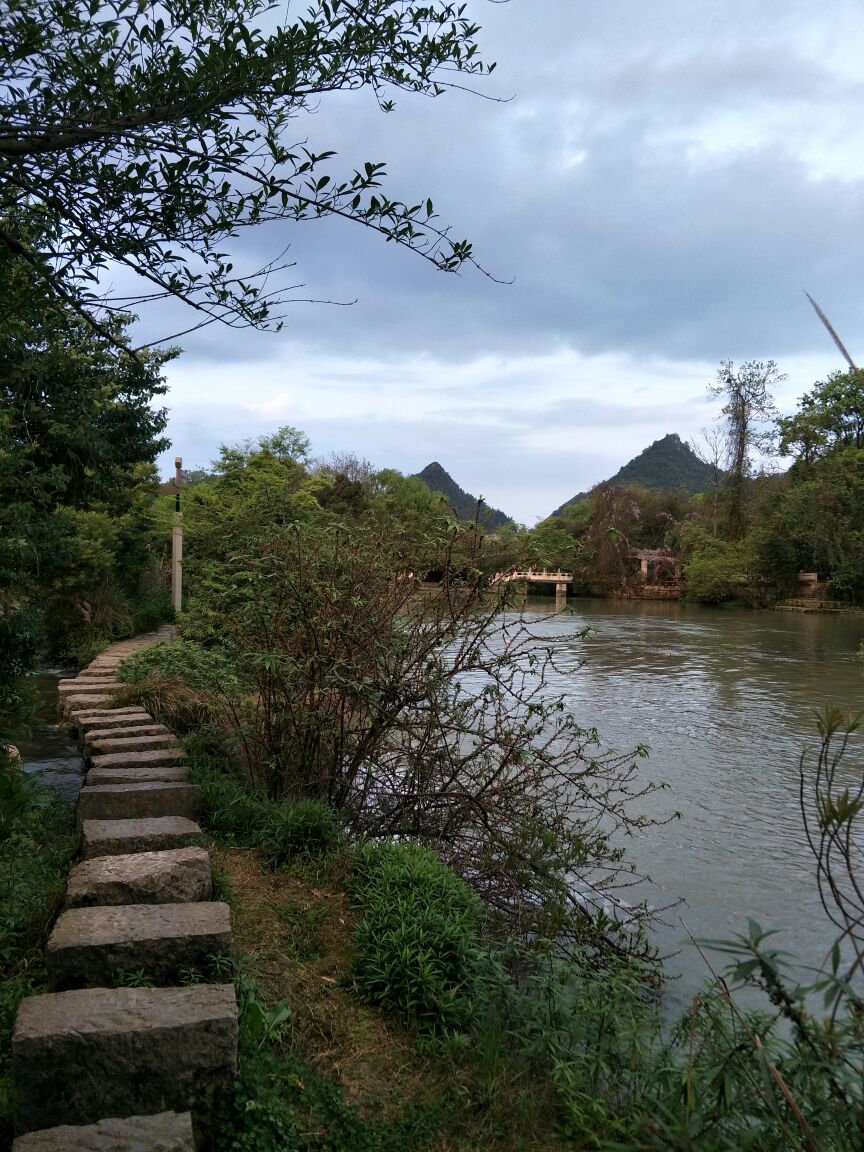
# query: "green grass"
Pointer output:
{"type": "Point", "coordinates": [36, 850]}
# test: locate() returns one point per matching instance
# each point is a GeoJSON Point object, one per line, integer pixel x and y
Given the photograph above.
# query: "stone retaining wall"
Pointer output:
{"type": "Point", "coordinates": [128, 1069]}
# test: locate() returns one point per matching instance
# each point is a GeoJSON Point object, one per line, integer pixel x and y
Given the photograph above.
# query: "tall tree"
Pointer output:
{"type": "Point", "coordinates": [78, 437]}
{"type": "Point", "coordinates": [830, 416]}
{"type": "Point", "coordinates": [146, 133]}
{"type": "Point", "coordinates": [749, 405]}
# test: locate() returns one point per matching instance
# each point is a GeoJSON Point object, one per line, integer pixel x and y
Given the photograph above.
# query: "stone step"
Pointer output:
{"type": "Point", "coordinates": [122, 837]}
{"type": "Point", "coordinates": [167, 774]}
{"type": "Point", "coordinates": [79, 1056]}
{"type": "Point", "coordinates": [69, 705]}
{"type": "Point", "coordinates": [138, 801]}
{"type": "Point", "coordinates": [100, 745]}
{"type": "Point", "coordinates": [164, 1132]}
{"type": "Point", "coordinates": [145, 759]}
{"type": "Point", "coordinates": [77, 687]}
{"type": "Point", "coordinates": [111, 720]}
{"type": "Point", "coordinates": [177, 876]}
{"type": "Point", "coordinates": [119, 732]}
{"type": "Point", "coordinates": [89, 945]}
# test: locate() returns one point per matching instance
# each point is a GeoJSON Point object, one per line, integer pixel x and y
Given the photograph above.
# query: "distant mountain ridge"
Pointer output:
{"type": "Point", "coordinates": [464, 504]}
{"type": "Point", "coordinates": [667, 463]}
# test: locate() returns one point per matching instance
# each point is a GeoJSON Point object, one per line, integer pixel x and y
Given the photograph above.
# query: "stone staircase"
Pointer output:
{"type": "Point", "coordinates": [136, 1068]}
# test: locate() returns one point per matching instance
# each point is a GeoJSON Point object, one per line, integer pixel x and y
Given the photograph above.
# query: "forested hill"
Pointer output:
{"type": "Point", "coordinates": [464, 504]}
{"type": "Point", "coordinates": [667, 463]}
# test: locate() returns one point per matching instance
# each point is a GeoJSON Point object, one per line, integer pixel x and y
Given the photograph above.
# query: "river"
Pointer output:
{"type": "Point", "coordinates": [725, 699]}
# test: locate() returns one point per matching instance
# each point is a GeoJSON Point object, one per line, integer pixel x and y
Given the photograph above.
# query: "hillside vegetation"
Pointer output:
{"type": "Point", "coordinates": [466, 506]}
{"type": "Point", "coordinates": [668, 463]}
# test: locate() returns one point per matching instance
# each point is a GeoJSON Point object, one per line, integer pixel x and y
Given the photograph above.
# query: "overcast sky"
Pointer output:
{"type": "Point", "coordinates": [666, 180]}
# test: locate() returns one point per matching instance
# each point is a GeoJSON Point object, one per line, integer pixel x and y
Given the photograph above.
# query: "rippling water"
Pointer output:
{"type": "Point", "coordinates": [49, 749]}
{"type": "Point", "coordinates": [725, 699]}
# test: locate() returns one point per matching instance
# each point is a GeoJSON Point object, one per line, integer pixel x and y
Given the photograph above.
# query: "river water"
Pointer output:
{"type": "Point", "coordinates": [49, 750]}
{"type": "Point", "coordinates": [725, 699]}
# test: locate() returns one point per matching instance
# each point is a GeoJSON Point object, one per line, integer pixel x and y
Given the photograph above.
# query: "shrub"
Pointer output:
{"type": "Point", "coordinates": [299, 828]}
{"type": "Point", "coordinates": [230, 809]}
{"type": "Point", "coordinates": [418, 949]}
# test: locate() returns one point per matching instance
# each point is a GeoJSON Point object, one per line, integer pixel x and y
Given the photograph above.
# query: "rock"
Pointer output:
{"type": "Point", "coordinates": [177, 876]}
{"type": "Point", "coordinates": [138, 801]}
{"type": "Point", "coordinates": [121, 837]}
{"type": "Point", "coordinates": [136, 775]}
{"type": "Point", "coordinates": [97, 745]}
{"type": "Point", "coordinates": [165, 1132]}
{"type": "Point", "coordinates": [89, 945]}
{"type": "Point", "coordinates": [79, 1056]}
{"type": "Point", "coordinates": [146, 759]}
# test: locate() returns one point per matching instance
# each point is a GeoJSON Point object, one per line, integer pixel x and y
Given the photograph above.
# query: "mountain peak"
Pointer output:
{"type": "Point", "coordinates": [438, 479]}
{"type": "Point", "coordinates": [668, 463]}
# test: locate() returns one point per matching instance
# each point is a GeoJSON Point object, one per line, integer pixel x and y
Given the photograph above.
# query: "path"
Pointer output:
{"type": "Point", "coordinates": [128, 1068]}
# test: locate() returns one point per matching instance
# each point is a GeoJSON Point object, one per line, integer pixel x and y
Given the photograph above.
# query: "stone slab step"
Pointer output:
{"type": "Point", "coordinates": [89, 945]}
{"type": "Point", "coordinates": [111, 720]}
{"type": "Point", "coordinates": [174, 774]}
{"type": "Point", "coordinates": [88, 686]}
{"type": "Point", "coordinates": [69, 705]}
{"type": "Point", "coordinates": [138, 801]}
{"type": "Point", "coordinates": [145, 759]}
{"type": "Point", "coordinates": [97, 736]}
{"type": "Point", "coordinates": [164, 1132]}
{"type": "Point", "coordinates": [122, 837]}
{"type": "Point", "coordinates": [176, 876]}
{"type": "Point", "coordinates": [101, 745]}
{"type": "Point", "coordinates": [79, 1056]}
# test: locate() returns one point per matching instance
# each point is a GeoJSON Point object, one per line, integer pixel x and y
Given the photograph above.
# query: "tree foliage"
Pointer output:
{"type": "Point", "coordinates": [145, 135]}
{"type": "Point", "coordinates": [78, 438]}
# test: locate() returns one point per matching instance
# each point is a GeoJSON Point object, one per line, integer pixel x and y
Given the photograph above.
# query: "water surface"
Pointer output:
{"type": "Point", "coordinates": [725, 699]}
{"type": "Point", "coordinates": [49, 750]}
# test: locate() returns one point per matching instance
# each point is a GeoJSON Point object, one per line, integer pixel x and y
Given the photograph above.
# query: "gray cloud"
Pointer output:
{"type": "Point", "coordinates": [665, 182]}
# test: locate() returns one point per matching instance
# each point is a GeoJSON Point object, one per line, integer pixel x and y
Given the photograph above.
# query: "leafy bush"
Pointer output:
{"type": "Point", "coordinates": [299, 828]}
{"type": "Point", "coordinates": [230, 809]}
{"type": "Point", "coordinates": [418, 949]}
{"type": "Point", "coordinates": [186, 686]}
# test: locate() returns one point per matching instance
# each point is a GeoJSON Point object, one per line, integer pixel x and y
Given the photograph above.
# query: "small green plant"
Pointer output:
{"type": "Point", "coordinates": [135, 978]}
{"type": "Point", "coordinates": [223, 889]}
{"type": "Point", "coordinates": [230, 809]}
{"type": "Point", "coordinates": [299, 828]}
{"type": "Point", "coordinates": [418, 948]}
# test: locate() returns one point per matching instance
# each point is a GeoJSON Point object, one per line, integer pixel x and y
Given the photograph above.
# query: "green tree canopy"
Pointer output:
{"type": "Point", "coordinates": [144, 134]}
{"type": "Point", "coordinates": [78, 438]}
{"type": "Point", "coordinates": [829, 417]}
